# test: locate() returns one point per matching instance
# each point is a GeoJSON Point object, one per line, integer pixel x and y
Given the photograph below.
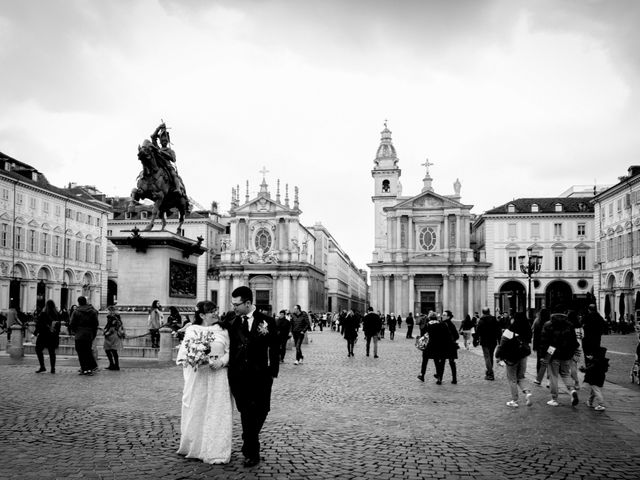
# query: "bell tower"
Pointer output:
{"type": "Point", "coordinates": [386, 189]}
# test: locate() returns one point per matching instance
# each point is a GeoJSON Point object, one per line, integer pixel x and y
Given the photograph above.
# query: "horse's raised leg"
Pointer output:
{"type": "Point", "coordinates": [154, 215]}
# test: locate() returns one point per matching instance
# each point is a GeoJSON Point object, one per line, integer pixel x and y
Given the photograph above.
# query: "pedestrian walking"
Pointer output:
{"type": "Point", "coordinates": [113, 335]}
{"type": "Point", "coordinates": [299, 326]}
{"type": "Point", "coordinates": [254, 363]}
{"type": "Point", "coordinates": [84, 326]}
{"type": "Point", "coordinates": [595, 371]}
{"type": "Point", "coordinates": [399, 321]}
{"type": "Point", "coordinates": [593, 327]}
{"type": "Point", "coordinates": [409, 323]}
{"type": "Point", "coordinates": [350, 331]}
{"type": "Point", "coordinates": [47, 335]}
{"type": "Point", "coordinates": [488, 332]}
{"type": "Point", "coordinates": [391, 325]}
{"type": "Point", "coordinates": [467, 329]}
{"type": "Point", "coordinates": [452, 356]}
{"type": "Point", "coordinates": [514, 350]}
{"type": "Point", "coordinates": [155, 321]}
{"type": "Point", "coordinates": [438, 348]}
{"type": "Point", "coordinates": [283, 325]}
{"type": "Point", "coordinates": [371, 324]}
{"type": "Point", "coordinates": [541, 354]}
{"type": "Point", "coordinates": [559, 341]}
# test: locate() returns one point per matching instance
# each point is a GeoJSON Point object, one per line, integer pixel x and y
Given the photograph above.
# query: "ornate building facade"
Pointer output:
{"type": "Point", "coordinates": [617, 237]}
{"type": "Point", "coordinates": [268, 249]}
{"type": "Point", "coordinates": [52, 240]}
{"type": "Point", "coordinates": [422, 258]}
{"type": "Point", "coordinates": [560, 229]}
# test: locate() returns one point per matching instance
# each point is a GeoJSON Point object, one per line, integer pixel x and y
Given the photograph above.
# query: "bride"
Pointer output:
{"type": "Point", "coordinates": [206, 399]}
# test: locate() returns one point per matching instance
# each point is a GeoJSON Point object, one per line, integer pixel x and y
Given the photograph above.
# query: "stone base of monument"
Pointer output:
{"type": "Point", "coordinates": [156, 265]}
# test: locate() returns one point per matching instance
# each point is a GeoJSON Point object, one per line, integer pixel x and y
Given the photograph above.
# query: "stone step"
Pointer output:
{"type": "Point", "coordinates": [128, 352]}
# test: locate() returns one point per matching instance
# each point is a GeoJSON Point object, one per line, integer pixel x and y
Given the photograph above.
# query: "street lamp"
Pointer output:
{"type": "Point", "coordinates": [530, 267]}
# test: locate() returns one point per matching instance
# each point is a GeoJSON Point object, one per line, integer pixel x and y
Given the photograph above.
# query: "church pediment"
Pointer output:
{"type": "Point", "coordinates": [428, 200]}
{"type": "Point", "coordinates": [261, 204]}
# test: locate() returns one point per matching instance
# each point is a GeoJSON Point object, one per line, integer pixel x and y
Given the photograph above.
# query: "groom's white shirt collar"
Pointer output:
{"type": "Point", "coordinates": [250, 316]}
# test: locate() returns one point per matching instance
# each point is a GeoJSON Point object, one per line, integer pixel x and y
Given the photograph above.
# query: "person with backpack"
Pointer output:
{"type": "Point", "coordinates": [514, 350]}
{"type": "Point", "coordinates": [113, 335]}
{"type": "Point", "coordinates": [559, 341]}
{"type": "Point", "coordinates": [48, 335]}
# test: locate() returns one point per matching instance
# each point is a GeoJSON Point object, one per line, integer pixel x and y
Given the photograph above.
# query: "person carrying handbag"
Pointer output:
{"type": "Point", "coordinates": [113, 335]}
{"type": "Point", "coordinates": [513, 350]}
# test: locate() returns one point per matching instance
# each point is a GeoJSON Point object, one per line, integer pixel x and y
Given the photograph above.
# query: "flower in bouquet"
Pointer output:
{"type": "Point", "coordinates": [197, 349]}
{"type": "Point", "coordinates": [421, 342]}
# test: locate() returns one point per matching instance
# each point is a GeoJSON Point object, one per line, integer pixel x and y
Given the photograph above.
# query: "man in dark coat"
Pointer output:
{"type": "Point", "coordinates": [284, 327]}
{"type": "Point", "coordinates": [84, 325]}
{"type": "Point", "coordinates": [593, 326]}
{"type": "Point", "coordinates": [559, 340]}
{"type": "Point", "coordinates": [371, 325]}
{"type": "Point", "coordinates": [489, 333]}
{"type": "Point", "coordinates": [253, 364]}
{"type": "Point", "coordinates": [299, 326]}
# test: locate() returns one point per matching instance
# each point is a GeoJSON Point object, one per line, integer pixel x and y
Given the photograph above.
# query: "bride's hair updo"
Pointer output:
{"type": "Point", "coordinates": [202, 308]}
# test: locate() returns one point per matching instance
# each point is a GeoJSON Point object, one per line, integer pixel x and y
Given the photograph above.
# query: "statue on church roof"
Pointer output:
{"type": "Point", "coordinates": [159, 181]}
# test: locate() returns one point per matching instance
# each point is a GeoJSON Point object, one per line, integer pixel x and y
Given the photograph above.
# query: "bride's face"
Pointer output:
{"type": "Point", "coordinates": [208, 318]}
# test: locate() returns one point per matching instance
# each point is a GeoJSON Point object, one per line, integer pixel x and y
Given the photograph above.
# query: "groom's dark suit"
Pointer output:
{"type": "Point", "coordinates": [253, 364]}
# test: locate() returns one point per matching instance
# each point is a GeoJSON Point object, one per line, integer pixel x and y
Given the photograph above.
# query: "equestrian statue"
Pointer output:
{"type": "Point", "coordinates": [159, 181]}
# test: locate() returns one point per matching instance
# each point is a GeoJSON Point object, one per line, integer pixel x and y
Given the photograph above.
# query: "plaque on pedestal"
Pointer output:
{"type": "Point", "coordinates": [156, 266]}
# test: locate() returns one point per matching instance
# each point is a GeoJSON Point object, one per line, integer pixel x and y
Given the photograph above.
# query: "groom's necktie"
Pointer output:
{"type": "Point", "coordinates": [245, 323]}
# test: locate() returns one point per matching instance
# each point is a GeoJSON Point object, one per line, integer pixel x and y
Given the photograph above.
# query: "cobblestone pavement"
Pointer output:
{"type": "Point", "coordinates": [333, 417]}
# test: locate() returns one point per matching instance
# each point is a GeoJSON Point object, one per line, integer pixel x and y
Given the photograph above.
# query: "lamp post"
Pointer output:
{"type": "Point", "coordinates": [530, 267]}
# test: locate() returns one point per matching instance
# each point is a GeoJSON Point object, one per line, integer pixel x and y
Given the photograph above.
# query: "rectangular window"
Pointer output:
{"type": "Point", "coordinates": [56, 246]}
{"type": "Point", "coordinates": [58, 210]}
{"type": "Point", "coordinates": [18, 239]}
{"type": "Point", "coordinates": [619, 205]}
{"type": "Point", "coordinates": [582, 261]}
{"type": "Point", "coordinates": [68, 213]}
{"type": "Point", "coordinates": [78, 216]}
{"type": "Point", "coordinates": [19, 199]}
{"type": "Point", "coordinates": [4, 235]}
{"type": "Point", "coordinates": [67, 248]}
{"type": "Point", "coordinates": [32, 203]}
{"type": "Point", "coordinates": [535, 230]}
{"type": "Point", "coordinates": [582, 228]}
{"type": "Point", "coordinates": [109, 233]}
{"type": "Point", "coordinates": [627, 200]}
{"type": "Point", "coordinates": [97, 222]}
{"type": "Point", "coordinates": [33, 244]}
{"type": "Point", "coordinates": [513, 262]}
{"type": "Point", "coordinates": [512, 230]}
{"type": "Point", "coordinates": [44, 244]}
{"type": "Point", "coordinates": [98, 258]}
{"type": "Point", "coordinates": [558, 261]}
{"type": "Point", "coordinates": [45, 207]}
{"type": "Point", "coordinates": [5, 194]}
{"type": "Point", "coordinates": [78, 250]}
{"type": "Point", "coordinates": [87, 253]}
{"type": "Point", "coordinates": [557, 229]}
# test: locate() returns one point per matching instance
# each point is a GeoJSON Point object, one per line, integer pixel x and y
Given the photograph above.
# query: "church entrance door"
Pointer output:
{"type": "Point", "coordinates": [427, 302]}
{"type": "Point", "coordinates": [262, 301]}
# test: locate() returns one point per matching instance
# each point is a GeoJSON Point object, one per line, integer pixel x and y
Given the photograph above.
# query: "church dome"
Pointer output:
{"type": "Point", "coordinates": [386, 150]}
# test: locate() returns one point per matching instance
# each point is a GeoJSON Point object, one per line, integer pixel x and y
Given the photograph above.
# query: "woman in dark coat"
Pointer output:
{"type": "Point", "coordinates": [438, 346]}
{"type": "Point", "coordinates": [113, 334]}
{"type": "Point", "coordinates": [453, 345]}
{"type": "Point", "coordinates": [48, 335]}
{"type": "Point", "coordinates": [350, 331]}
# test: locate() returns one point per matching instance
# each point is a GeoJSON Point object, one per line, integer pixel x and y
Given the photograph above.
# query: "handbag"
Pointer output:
{"type": "Point", "coordinates": [421, 342]}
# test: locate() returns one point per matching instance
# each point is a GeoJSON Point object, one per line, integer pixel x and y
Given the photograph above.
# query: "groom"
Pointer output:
{"type": "Point", "coordinates": [253, 364]}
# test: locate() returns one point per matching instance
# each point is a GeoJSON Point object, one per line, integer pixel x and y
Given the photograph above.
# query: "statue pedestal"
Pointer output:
{"type": "Point", "coordinates": [156, 266]}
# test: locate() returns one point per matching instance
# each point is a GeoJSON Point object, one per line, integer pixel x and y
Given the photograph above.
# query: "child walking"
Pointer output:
{"type": "Point", "coordinates": [596, 367]}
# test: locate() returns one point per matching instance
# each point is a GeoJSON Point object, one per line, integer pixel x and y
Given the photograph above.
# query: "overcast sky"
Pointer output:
{"type": "Point", "coordinates": [515, 99]}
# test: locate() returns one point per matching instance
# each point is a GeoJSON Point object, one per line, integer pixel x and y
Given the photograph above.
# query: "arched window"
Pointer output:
{"type": "Point", "coordinates": [386, 186]}
{"type": "Point", "coordinates": [511, 208]}
{"type": "Point", "coordinates": [535, 208]}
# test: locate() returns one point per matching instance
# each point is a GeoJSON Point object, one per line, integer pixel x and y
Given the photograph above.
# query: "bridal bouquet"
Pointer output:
{"type": "Point", "coordinates": [198, 349]}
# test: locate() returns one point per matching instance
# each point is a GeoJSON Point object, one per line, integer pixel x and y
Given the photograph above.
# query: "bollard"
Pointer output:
{"type": "Point", "coordinates": [165, 354]}
{"type": "Point", "coordinates": [16, 349]}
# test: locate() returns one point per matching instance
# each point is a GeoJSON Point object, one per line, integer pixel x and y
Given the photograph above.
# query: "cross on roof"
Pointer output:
{"type": "Point", "coordinates": [264, 171]}
{"type": "Point", "coordinates": [427, 164]}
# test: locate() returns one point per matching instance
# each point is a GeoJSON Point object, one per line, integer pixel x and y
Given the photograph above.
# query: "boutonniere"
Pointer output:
{"type": "Point", "coordinates": [263, 328]}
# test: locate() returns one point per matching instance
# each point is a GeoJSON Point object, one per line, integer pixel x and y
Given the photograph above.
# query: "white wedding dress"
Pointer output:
{"type": "Point", "coordinates": [206, 403]}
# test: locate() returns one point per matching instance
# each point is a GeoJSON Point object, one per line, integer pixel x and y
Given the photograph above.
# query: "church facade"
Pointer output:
{"type": "Point", "coordinates": [422, 259]}
{"type": "Point", "coordinates": [269, 250]}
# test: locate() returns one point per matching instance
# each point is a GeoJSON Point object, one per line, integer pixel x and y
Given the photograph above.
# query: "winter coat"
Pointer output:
{"type": "Point", "coordinates": [593, 326]}
{"type": "Point", "coordinates": [560, 334]}
{"type": "Point", "coordinates": [84, 323]}
{"type": "Point", "coordinates": [371, 324]}
{"type": "Point", "coordinates": [300, 322]}
{"type": "Point", "coordinates": [112, 340]}
{"type": "Point", "coordinates": [47, 331]}
{"type": "Point", "coordinates": [596, 368]}
{"type": "Point", "coordinates": [453, 333]}
{"type": "Point", "coordinates": [350, 326]}
{"type": "Point", "coordinates": [488, 331]}
{"type": "Point", "coordinates": [440, 341]}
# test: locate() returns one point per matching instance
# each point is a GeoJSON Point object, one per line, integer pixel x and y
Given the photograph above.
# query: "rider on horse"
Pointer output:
{"type": "Point", "coordinates": [166, 157]}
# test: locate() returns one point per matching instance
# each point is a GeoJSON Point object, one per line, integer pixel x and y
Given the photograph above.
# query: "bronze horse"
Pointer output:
{"type": "Point", "coordinates": [154, 184]}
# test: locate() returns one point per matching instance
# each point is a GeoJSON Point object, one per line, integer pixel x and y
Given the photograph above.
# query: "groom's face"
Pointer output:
{"type": "Point", "coordinates": [240, 307]}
